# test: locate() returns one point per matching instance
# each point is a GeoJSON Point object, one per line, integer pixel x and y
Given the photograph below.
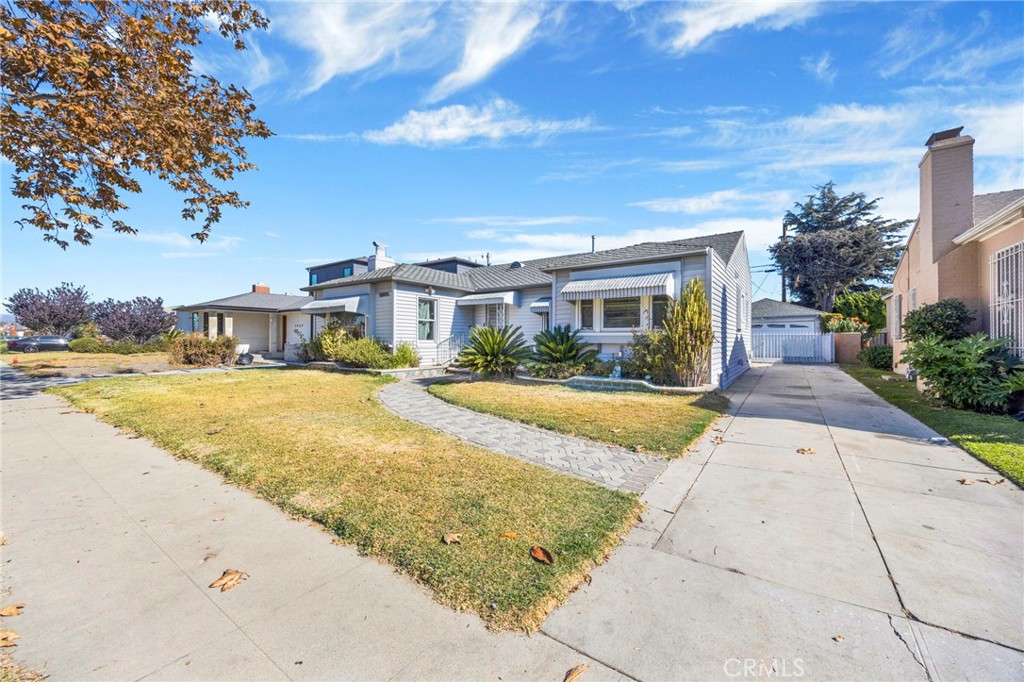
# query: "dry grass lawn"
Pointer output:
{"type": "Point", "coordinates": [66, 364]}
{"type": "Point", "coordinates": [12, 671]}
{"type": "Point", "coordinates": [321, 445]}
{"type": "Point", "coordinates": [646, 422]}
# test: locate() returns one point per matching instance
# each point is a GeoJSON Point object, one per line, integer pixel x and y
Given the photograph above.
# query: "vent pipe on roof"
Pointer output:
{"type": "Point", "coordinates": [593, 243]}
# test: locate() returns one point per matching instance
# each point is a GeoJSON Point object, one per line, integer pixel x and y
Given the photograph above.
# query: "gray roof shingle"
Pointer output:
{"type": "Point", "coordinates": [534, 273]}
{"type": "Point", "coordinates": [987, 205]}
{"type": "Point", "coordinates": [252, 301]}
{"type": "Point", "coordinates": [768, 308]}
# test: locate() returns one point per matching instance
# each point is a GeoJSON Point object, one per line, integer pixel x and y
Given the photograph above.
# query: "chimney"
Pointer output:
{"type": "Point", "coordinates": [260, 288]}
{"type": "Point", "coordinates": [947, 190]}
{"type": "Point", "coordinates": [380, 258]}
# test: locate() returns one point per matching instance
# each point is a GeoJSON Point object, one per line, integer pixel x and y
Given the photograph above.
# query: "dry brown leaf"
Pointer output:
{"type": "Point", "coordinates": [965, 481]}
{"type": "Point", "coordinates": [7, 638]}
{"type": "Point", "coordinates": [838, 638]}
{"type": "Point", "coordinates": [228, 579]}
{"type": "Point", "coordinates": [510, 536]}
{"type": "Point", "coordinates": [587, 579]}
{"type": "Point", "coordinates": [452, 539]}
{"type": "Point", "coordinates": [717, 440]}
{"type": "Point", "coordinates": [3, 539]}
{"type": "Point", "coordinates": [806, 451]}
{"type": "Point", "coordinates": [616, 430]}
{"type": "Point", "coordinates": [542, 555]}
{"type": "Point", "coordinates": [990, 481]}
{"type": "Point", "coordinates": [12, 610]}
{"type": "Point", "coordinates": [575, 672]}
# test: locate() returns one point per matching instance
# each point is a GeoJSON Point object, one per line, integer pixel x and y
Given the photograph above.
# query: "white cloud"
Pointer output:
{"type": "Point", "coordinates": [272, 235]}
{"type": "Point", "coordinates": [495, 121]}
{"type": "Point", "coordinates": [723, 200]}
{"type": "Point", "coordinates": [349, 37]}
{"type": "Point", "coordinates": [973, 62]}
{"type": "Point", "coordinates": [820, 67]}
{"type": "Point", "coordinates": [321, 137]}
{"type": "Point", "coordinates": [909, 43]}
{"type": "Point", "coordinates": [495, 32]}
{"type": "Point", "coordinates": [695, 23]}
{"type": "Point", "coordinates": [508, 247]}
{"type": "Point", "coordinates": [516, 221]}
{"type": "Point", "coordinates": [186, 247]}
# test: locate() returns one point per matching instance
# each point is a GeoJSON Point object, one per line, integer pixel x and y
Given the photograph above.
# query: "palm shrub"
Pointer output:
{"type": "Point", "coordinates": [689, 334]}
{"type": "Point", "coordinates": [494, 351]}
{"type": "Point", "coordinates": [561, 353]}
{"type": "Point", "coordinates": [972, 373]}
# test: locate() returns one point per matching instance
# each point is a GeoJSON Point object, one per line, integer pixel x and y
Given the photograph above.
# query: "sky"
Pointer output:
{"type": "Point", "coordinates": [520, 130]}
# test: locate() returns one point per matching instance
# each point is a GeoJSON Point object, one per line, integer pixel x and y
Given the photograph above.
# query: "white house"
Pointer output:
{"type": "Point", "coordinates": [432, 305]}
{"type": "Point", "coordinates": [768, 315]}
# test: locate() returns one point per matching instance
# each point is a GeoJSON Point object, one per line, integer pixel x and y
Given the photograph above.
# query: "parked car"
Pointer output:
{"type": "Point", "coordinates": [34, 344]}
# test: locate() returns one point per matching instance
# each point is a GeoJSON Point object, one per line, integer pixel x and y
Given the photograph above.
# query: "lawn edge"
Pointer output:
{"type": "Point", "coordinates": [937, 427]}
{"type": "Point", "coordinates": [660, 454]}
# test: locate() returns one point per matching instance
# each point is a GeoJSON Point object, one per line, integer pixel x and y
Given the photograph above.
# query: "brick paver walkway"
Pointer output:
{"type": "Point", "coordinates": [609, 466]}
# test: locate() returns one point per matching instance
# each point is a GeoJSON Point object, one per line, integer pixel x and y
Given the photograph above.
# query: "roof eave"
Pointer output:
{"type": "Point", "coordinates": [622, 261]}
{"type": "Point", "coordinates": [993, 223]}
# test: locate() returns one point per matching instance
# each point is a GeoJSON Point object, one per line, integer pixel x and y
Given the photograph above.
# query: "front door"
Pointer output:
{"type": "Point", "coordinates": [284, 331]}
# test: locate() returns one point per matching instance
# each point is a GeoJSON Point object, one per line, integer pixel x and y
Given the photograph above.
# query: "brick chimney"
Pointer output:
{"type": "Point", "coordinates": [260, 288]}
{"type": "Point", "coordinates": [380, 258]}
{"type": "Point", "coordinates": [947, 191]}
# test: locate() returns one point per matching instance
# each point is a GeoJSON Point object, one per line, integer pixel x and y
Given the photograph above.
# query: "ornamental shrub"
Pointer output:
{"type": "Point", "coordinates": [200, 350]}
{"type": "Point", "coordinates": [86, 344]}
{"type": "Point", "coordinates": [879, 357]}
{"type": "Point", "coordinates": [406, 356]}
{"type": "Point", "coordinates": [866, 306]}
{"type": "Point", "coordinates": [972, 373]}
{"type": "Point", "coordinates": [494, 351]}
{"type": "Point", "coordinates": [947, 320]}
{"type": "Point", "coordinates": [689, 334]}
{"type": "Point", "coordinates": [365, 354]}
{"type": "Point", "coordinates": [834, 322]}
{"type": "Point", "coordinates": [648, 356]}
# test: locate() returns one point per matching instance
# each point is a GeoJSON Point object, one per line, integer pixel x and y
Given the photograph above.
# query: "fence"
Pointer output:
{"type": "Point", "coordinates": [796, 348]}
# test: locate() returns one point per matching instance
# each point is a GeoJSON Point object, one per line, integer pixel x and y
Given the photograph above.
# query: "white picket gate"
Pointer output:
{"type": "Point", "coordinates": [795, 348]}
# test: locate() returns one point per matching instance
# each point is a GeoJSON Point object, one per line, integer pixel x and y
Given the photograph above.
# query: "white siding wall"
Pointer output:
{"type": "Point", "coordinates": [383, 307]}
{"type": "Point", "coordinates": [562, 312]}
{"type": "Point", "coordinates": [450, 320]}
{"type": "Point", "coordinates": [730, 288]}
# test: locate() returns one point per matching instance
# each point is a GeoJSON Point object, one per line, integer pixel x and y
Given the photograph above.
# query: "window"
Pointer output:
{"type": "Point", "coordinates": [757, 326]}
{"type": "Point", "coordinates": [659, 308]}
{"type": "Point", "coordinates": [587, 314]}
{"type": "Point", "coordinates": [1006, 292]}
{"type": "Point", "coordinates": [206, 322]}
{"type": "Point", "coordinates": [347, 271]}
{"type": "Point", "coordinates": [621, 313]}
{"type": "Point", "coordinates": [427, 319]}
{"type": "Point", "coordinates": [776, 326]}
{"type": "Point", "coordinates": [313, 278]}
{"type": "Point", "coordinates": [799, 326]}
{"type": "Point", "coordinates": [897, 316]}
{"type": "Point", "coordinates": [196, 322]}
{"type": "Point", "coordinates": [494, 315]}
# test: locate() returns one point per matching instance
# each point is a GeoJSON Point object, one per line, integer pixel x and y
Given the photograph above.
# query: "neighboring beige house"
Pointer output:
{"type": "Point", "coordinates": [964, 246]}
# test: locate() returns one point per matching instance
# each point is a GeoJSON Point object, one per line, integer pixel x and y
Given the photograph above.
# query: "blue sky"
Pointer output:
{"type": "Point", "coordinates": [522, 129]}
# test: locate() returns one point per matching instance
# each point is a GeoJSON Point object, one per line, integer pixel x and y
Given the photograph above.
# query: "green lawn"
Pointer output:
{"type": "Point", "coordinates": [997, 440]}
{"type": "Point", "coordinates": [647, 422]}
{"type": "Point", "coordinates": [320, 444]}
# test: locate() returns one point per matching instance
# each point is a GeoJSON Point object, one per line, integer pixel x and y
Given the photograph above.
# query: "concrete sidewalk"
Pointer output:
{"type": "Point", "coordinates": [865, 559]}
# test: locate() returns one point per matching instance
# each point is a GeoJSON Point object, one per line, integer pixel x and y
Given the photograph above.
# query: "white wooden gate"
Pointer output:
{"type": "Point", "coordinates": [785, 347]}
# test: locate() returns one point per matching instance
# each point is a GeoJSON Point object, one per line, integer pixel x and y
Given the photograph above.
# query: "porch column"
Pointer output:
{"type": "Point", "coordinates": [211, 324]}
{"type": "Point", "coordinates": [270, 332]}
{"type": "Point", "coordinates": [229, 325]}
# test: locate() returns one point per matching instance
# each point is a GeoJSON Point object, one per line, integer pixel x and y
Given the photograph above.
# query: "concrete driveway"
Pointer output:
{"type": "Point", "coordinates": [864, 560]}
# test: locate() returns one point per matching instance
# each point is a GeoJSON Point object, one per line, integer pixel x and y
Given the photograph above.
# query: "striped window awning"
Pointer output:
{"type": "Point", "coordinates": [541, 305]}
{"type": "Point", "coordinates": [656, 284]}
{"type": "Point", "coordinates": [349, 304]}
{"type": "Point", "coordinates": [493, 298]}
